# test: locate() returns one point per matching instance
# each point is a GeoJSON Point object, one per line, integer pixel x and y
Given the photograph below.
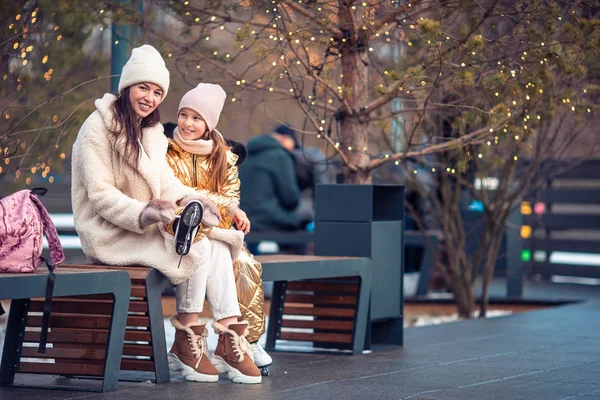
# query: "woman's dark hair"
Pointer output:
{"type": "Point", "coordinates": [126, 124]}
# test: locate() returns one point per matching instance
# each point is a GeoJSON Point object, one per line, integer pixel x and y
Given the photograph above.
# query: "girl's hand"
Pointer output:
{"type": "Point", "coordinates": [241, 221]}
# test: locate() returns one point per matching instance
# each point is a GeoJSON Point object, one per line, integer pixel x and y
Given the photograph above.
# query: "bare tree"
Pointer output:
{"type": "Point", "coordinates": [463, 87]}
{"type": "Point", "coordinates": [345, 63]}
{"type": "Point", "coordinates": [499, 174]}
{"type": "Point", "coordinates": [43, 67]}
{"type": "Point", "coordinates": [466, 88]}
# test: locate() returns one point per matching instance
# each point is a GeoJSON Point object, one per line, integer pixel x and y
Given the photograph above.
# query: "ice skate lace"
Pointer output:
{"type": "Point", "coordinates": [198, 345]}
{"type": "Point", "coordinates": [257, 349]}
{"type": "Point", "coordinates": [240, 346]}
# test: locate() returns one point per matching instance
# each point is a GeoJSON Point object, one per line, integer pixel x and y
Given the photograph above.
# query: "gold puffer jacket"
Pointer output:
{"type": "Point", "coordinates": [191, 171]}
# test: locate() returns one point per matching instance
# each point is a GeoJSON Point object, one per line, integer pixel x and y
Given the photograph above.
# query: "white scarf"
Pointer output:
{"type": "Point", "coordinates": [200, 147]}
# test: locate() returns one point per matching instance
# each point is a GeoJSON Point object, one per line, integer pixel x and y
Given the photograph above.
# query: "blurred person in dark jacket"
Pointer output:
{"type": "Point", "coordinates": [269, 187]}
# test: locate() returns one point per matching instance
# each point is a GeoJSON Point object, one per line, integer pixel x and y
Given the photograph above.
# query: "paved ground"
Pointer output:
{"type": "Point", "coordinates": [548, 354]}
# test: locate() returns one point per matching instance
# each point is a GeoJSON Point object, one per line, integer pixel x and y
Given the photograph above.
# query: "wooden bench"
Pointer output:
{"type": "Point", "coordinates": [106, 300]}
{"type": "Point", "coordinates": [144, 346]}
{"type": "Point", "coordinates": [333, 304]}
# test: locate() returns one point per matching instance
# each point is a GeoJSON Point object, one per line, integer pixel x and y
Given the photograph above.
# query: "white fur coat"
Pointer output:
{"type": "Point", "coordinates": [109, 195]}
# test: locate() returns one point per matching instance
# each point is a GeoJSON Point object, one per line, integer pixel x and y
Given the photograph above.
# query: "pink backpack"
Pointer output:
{"type": "Point", "coordinates": [23, 222]}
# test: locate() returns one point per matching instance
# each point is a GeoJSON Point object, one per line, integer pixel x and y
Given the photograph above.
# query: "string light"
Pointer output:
{"type": "Point", "coordinates": [301, 36]}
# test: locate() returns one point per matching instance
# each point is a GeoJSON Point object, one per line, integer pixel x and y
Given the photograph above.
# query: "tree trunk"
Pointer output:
{"type": "Point", "coordinates": [458, 266]}
{"type": "Point", "coordinates": [355, 89]}
{"type": "Point", "coordinates": [461, 286]}
{"type": "Point", "coordinates": [463, 293]}
{"type": "Point", "coordinates": [465, 303]}
{"type": "Point", "coordinates": [496, 229]}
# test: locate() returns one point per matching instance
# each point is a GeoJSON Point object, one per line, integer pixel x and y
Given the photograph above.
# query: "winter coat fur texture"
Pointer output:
{"type": "Point", "coordinates": [109, 194]}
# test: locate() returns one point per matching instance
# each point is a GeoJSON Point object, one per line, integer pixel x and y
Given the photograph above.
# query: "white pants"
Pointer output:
{"type": "Point", "coordinates": [218, 285]}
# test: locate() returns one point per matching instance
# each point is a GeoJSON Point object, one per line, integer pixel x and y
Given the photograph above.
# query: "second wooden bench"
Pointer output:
{"type": "Point", "coordinates": [335, 315]}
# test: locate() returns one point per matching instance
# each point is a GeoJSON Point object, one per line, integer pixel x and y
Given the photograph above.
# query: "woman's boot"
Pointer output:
{"type": "Point", "coordinates": [189, 354]}
{"type": "Point", "coordinates": [234, 355]}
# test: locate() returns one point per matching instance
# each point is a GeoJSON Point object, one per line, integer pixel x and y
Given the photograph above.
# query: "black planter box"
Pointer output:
{"type": "Point", "coordinates": [366, 221]}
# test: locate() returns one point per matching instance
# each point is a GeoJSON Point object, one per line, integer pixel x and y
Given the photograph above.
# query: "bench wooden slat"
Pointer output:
{"type": "Point", "coordinates": [84, 340]}
{"type": "Point", "coordinates": [137, 350]}
{"type": "Point", "coordinates": [76, 337]}
{"type": "Point", "coordinates": [138, 335]}
{"type": "Point", "coordinates": [86, 336]}
{"type": "Point", "coordinates": [137, 365]}
{"type": "Point", "coordinates": [85, 321]}
{"type": "Point", "coordinates": [138, 291]}
{"type": "Point", "coordinates": [61, 369]}
{"type": "Point", "coordinates": [335, 325]}
{"type": "Point", "coordinates": [316, 337]}
{"type": "Point", "coordinates": [320, 299]}
{"type": "Point", "coordinates": [85, 306]}
{"type": "Point", "coordinates": [320, 312]}
{"type": "Point", "coordinates": [89, 352]}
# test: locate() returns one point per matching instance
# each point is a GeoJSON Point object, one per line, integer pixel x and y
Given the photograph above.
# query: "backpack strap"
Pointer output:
{"type": "Point", "coordinates": [56, 257]}
{"type": "Point", "coordinates": [56, 252]}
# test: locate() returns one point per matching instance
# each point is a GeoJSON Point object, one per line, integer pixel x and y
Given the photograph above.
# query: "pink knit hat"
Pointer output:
{"type": "Point", "coordinates": [206, 99]}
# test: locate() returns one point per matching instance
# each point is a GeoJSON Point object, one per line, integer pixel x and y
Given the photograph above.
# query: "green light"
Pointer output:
{"type": "Point", "coordinates": [525, 255]}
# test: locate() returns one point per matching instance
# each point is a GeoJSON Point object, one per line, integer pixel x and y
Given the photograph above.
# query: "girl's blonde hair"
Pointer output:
{"type": "Point", "coordinates": [217, 161]}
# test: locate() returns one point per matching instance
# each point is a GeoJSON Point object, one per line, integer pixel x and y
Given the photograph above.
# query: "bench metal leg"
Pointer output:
{"type": "Point", "coordinates": [13, 342]}
{"type": "Point", "coordinates": [156, 283]}
{"type": "Point", "coordinates": [276, 313]}
{"type": "Point", "coordinates": [116, 336]}
{"type": "Point", "coordinates": [389, 331]}
{"type": "Point", "coordinates": [362, 313]}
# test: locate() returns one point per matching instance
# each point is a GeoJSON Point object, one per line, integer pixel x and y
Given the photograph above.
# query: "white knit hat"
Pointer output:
{"type": "Point", "coordinates": [207, 100]}
{"type": "Point", "coordinates": [145, 65]}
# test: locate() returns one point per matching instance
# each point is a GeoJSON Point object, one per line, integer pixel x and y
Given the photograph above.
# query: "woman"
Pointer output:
{"type": "Point", "coordinates": [202, 159]}
{"type": "Point", "coordinates": [122, 192]}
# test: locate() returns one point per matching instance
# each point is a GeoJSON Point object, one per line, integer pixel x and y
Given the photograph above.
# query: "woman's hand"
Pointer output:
{"type": "Point", "coordinates": [241, 221]}
{"type": "Point", "coordinates": [157, 211]}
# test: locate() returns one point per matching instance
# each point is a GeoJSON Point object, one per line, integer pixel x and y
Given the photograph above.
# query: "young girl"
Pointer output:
{"type": "Point", "coordinates": [123, 191]}
{"type": "Point", "coordinates": [201, 158]}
